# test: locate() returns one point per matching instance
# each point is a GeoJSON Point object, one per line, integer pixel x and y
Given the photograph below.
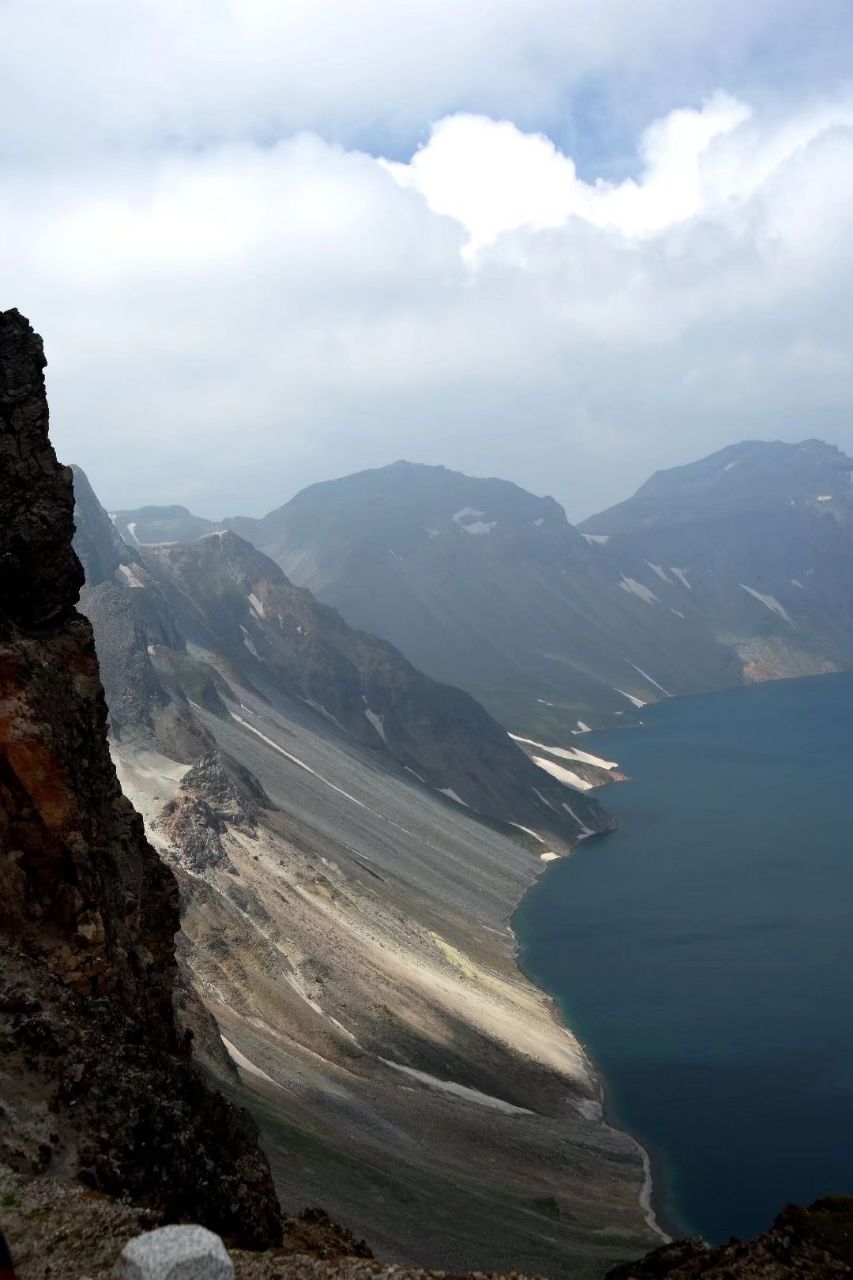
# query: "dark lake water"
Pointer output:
{"type": "Point", "coordinates": [704, 952]}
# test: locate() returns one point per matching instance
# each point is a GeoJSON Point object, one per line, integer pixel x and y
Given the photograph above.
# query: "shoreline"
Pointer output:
{"type": "Point", "coordinates": [646, 1192]}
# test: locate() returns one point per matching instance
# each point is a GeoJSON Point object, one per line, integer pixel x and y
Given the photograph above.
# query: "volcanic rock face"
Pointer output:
{"type": "Point", "coordinates": [88, 912]}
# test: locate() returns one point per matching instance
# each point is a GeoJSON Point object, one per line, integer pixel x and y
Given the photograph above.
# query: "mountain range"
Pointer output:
{"type": "Point", "coordinates": [726, 571]}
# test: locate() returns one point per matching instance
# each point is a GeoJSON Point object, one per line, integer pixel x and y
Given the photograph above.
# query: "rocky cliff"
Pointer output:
{"type": "Point", "coordinates": [95, 1077]}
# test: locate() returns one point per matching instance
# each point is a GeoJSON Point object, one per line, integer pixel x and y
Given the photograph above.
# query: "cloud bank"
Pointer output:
{"type": "Point", "coordinates": [271, 243]}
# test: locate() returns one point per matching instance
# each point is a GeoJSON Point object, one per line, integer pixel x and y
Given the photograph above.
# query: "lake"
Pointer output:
{"type": "Point", "coordinates": [703, 953]}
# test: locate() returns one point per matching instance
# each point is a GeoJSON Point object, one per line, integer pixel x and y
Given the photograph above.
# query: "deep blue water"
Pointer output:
{"type": "Point", "coordinates": [704, 952]}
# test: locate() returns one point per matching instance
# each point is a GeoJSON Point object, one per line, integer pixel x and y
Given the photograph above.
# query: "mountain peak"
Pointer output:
{"type": "Point", "coordinates": [747, 476]}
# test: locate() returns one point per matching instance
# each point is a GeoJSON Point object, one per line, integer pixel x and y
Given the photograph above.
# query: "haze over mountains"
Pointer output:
{"type": "Point", "coordinates": [339, 825]}
{"type": "Point", "coordinates": [731, 569]}
{"type": "Point", "coordinates": [337, 820]}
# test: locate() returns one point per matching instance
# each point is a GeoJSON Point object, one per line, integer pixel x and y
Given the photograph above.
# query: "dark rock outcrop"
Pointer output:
{"type": "Point", "coordinates": [816, 1242]}
{"type": "Point", "coordinates": [214, 794]}
{"type": "Point", "coordinates": [88, 913]}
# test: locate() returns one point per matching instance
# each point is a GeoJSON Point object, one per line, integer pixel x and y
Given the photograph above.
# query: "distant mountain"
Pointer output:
{"type": "Point", "coordinates": [178, 623]}
{"type": "Point", "coordinates": [160, 524]}
{"type": "Point", "coordinates": [755, 543]}
{"type": "Point", "coordinates": [488, 587]}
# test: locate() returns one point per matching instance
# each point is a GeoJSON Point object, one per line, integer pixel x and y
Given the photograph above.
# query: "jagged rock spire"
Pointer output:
{"type": "Point", "coordinates": [40, 576]}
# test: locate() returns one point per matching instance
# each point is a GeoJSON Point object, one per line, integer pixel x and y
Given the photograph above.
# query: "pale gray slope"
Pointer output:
{"type": "Point", "coordinates": [354, 947]}
{"type": "Point", "coordinates": [367, 926]}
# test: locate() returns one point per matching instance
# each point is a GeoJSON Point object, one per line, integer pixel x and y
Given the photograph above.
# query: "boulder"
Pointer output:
{"type": "Point", "coordinates": [175, 1253]}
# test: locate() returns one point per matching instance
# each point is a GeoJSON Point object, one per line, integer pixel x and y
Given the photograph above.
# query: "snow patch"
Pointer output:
{"type": "Point", "coordinates": [636, 588]}
{"type": "Point", "coordinates": [377, 722]}
{"type": "Point", "coordinates": [459, 1090]}
{"type": "Point", "coordinates": [650, 679]}
{"type": "Point", "coordinates": [637, 702]}
{"type": "Point", "coordinates": [468, 519]}
{"type": "Point", "coordinates": [681, 575]}
{"type": "Point", "coordinates": [562, 775]}
{"type": "Point", "coordinates": [660, 571]}
{"type": "Point", "coordinates": [433, 533]}
{"type": "Point", "coordinates": [677, 613]}
{"type": "Point", "coordinates": [539, 523]}
{"type": "Point", "coordinates": [451, 794]}
{"type": "Point", "coordinates": [824, 497]}
{"type": "Point", "coordinates": [247, 641]}
{"type": "Point", "coordinates": [583, 728]}
{"type": "Point", "coordinates": [769, 602]}
{"type": "Point", "coordinates": [245, 1064]}
{"type": "Point", "coordinates": [600, 539]}
{"type": "Point", "coordinates": [529, 832]}
{"type": "Point", "coordinates": [729, 465]}
{"type": "Point", "coordinates": [795, 582]}
{"type": "Point", "coordinates": [585, 830]}
{"type": "Point", "coordinates": [256, 606]}
{"type": "Point", "coordinates": [131, 529]}
{"type": "Point", "coordinates": [569, 753]}
{"type": "Point", "coordinates": [129, 576]}
{"type": "Point", "coordinates": [548, 857]}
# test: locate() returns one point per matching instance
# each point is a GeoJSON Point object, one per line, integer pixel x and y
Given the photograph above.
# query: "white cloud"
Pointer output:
{"type": "Point", "coordinates": [493, 178]}
{"type": "Point", "coordinates": [229, 320]}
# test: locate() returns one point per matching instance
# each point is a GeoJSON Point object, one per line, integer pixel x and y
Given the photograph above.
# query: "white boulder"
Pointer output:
{"type": "Point", "coordinates": [175, 1253]}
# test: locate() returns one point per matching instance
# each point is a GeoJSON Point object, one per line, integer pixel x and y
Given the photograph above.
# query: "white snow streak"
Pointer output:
{"type": "Point", "coordinates": [661, 572]}
{"type": "Point", "coordinates": [681, 575]}
{"type": "Point", "coordinates": [295, 759]}
{"type": "Point", "coordinates": [769, 602]}
{"type": "Point", "coordinates": [377, 722]}
{"type": "Point", "coordinates": [256, 606]}
{"type": "Point", "coordinates": [569, 753]}
{"type": "Point", "coordinates": [245, 1064]}
{"type": "Point", "coordinates": [247, 641]}
{"type": "Point", "coordinates": [585, 830]}
{"type": "Point", "coordinates": [460, 1090]}
{"type": "Point", "coordinates": [562, 775]}
{"type": "Point", "coordinates": [638, 702]}
{"type": "Point", "coordinates": [448, 791]}
{"type": "Point", "coordinates": [528, 831]}
{"type": "Point", "coordinates": [650, 679]}
{"type": "Point", "coordinates": [638, 589]}
{"type": "Point", "coordinates": [129, 576]}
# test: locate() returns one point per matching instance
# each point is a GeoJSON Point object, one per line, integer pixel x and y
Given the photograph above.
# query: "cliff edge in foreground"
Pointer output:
{"type": "Point", "coordinates": [96, 1083]}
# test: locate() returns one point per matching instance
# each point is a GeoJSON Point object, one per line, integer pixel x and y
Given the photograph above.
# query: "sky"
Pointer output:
{"type": "Point", "coordinates": [565, 242]}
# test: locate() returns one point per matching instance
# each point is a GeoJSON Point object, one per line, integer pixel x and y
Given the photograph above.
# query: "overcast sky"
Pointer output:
{"type": "Point", "coordinates": [566, 242]}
